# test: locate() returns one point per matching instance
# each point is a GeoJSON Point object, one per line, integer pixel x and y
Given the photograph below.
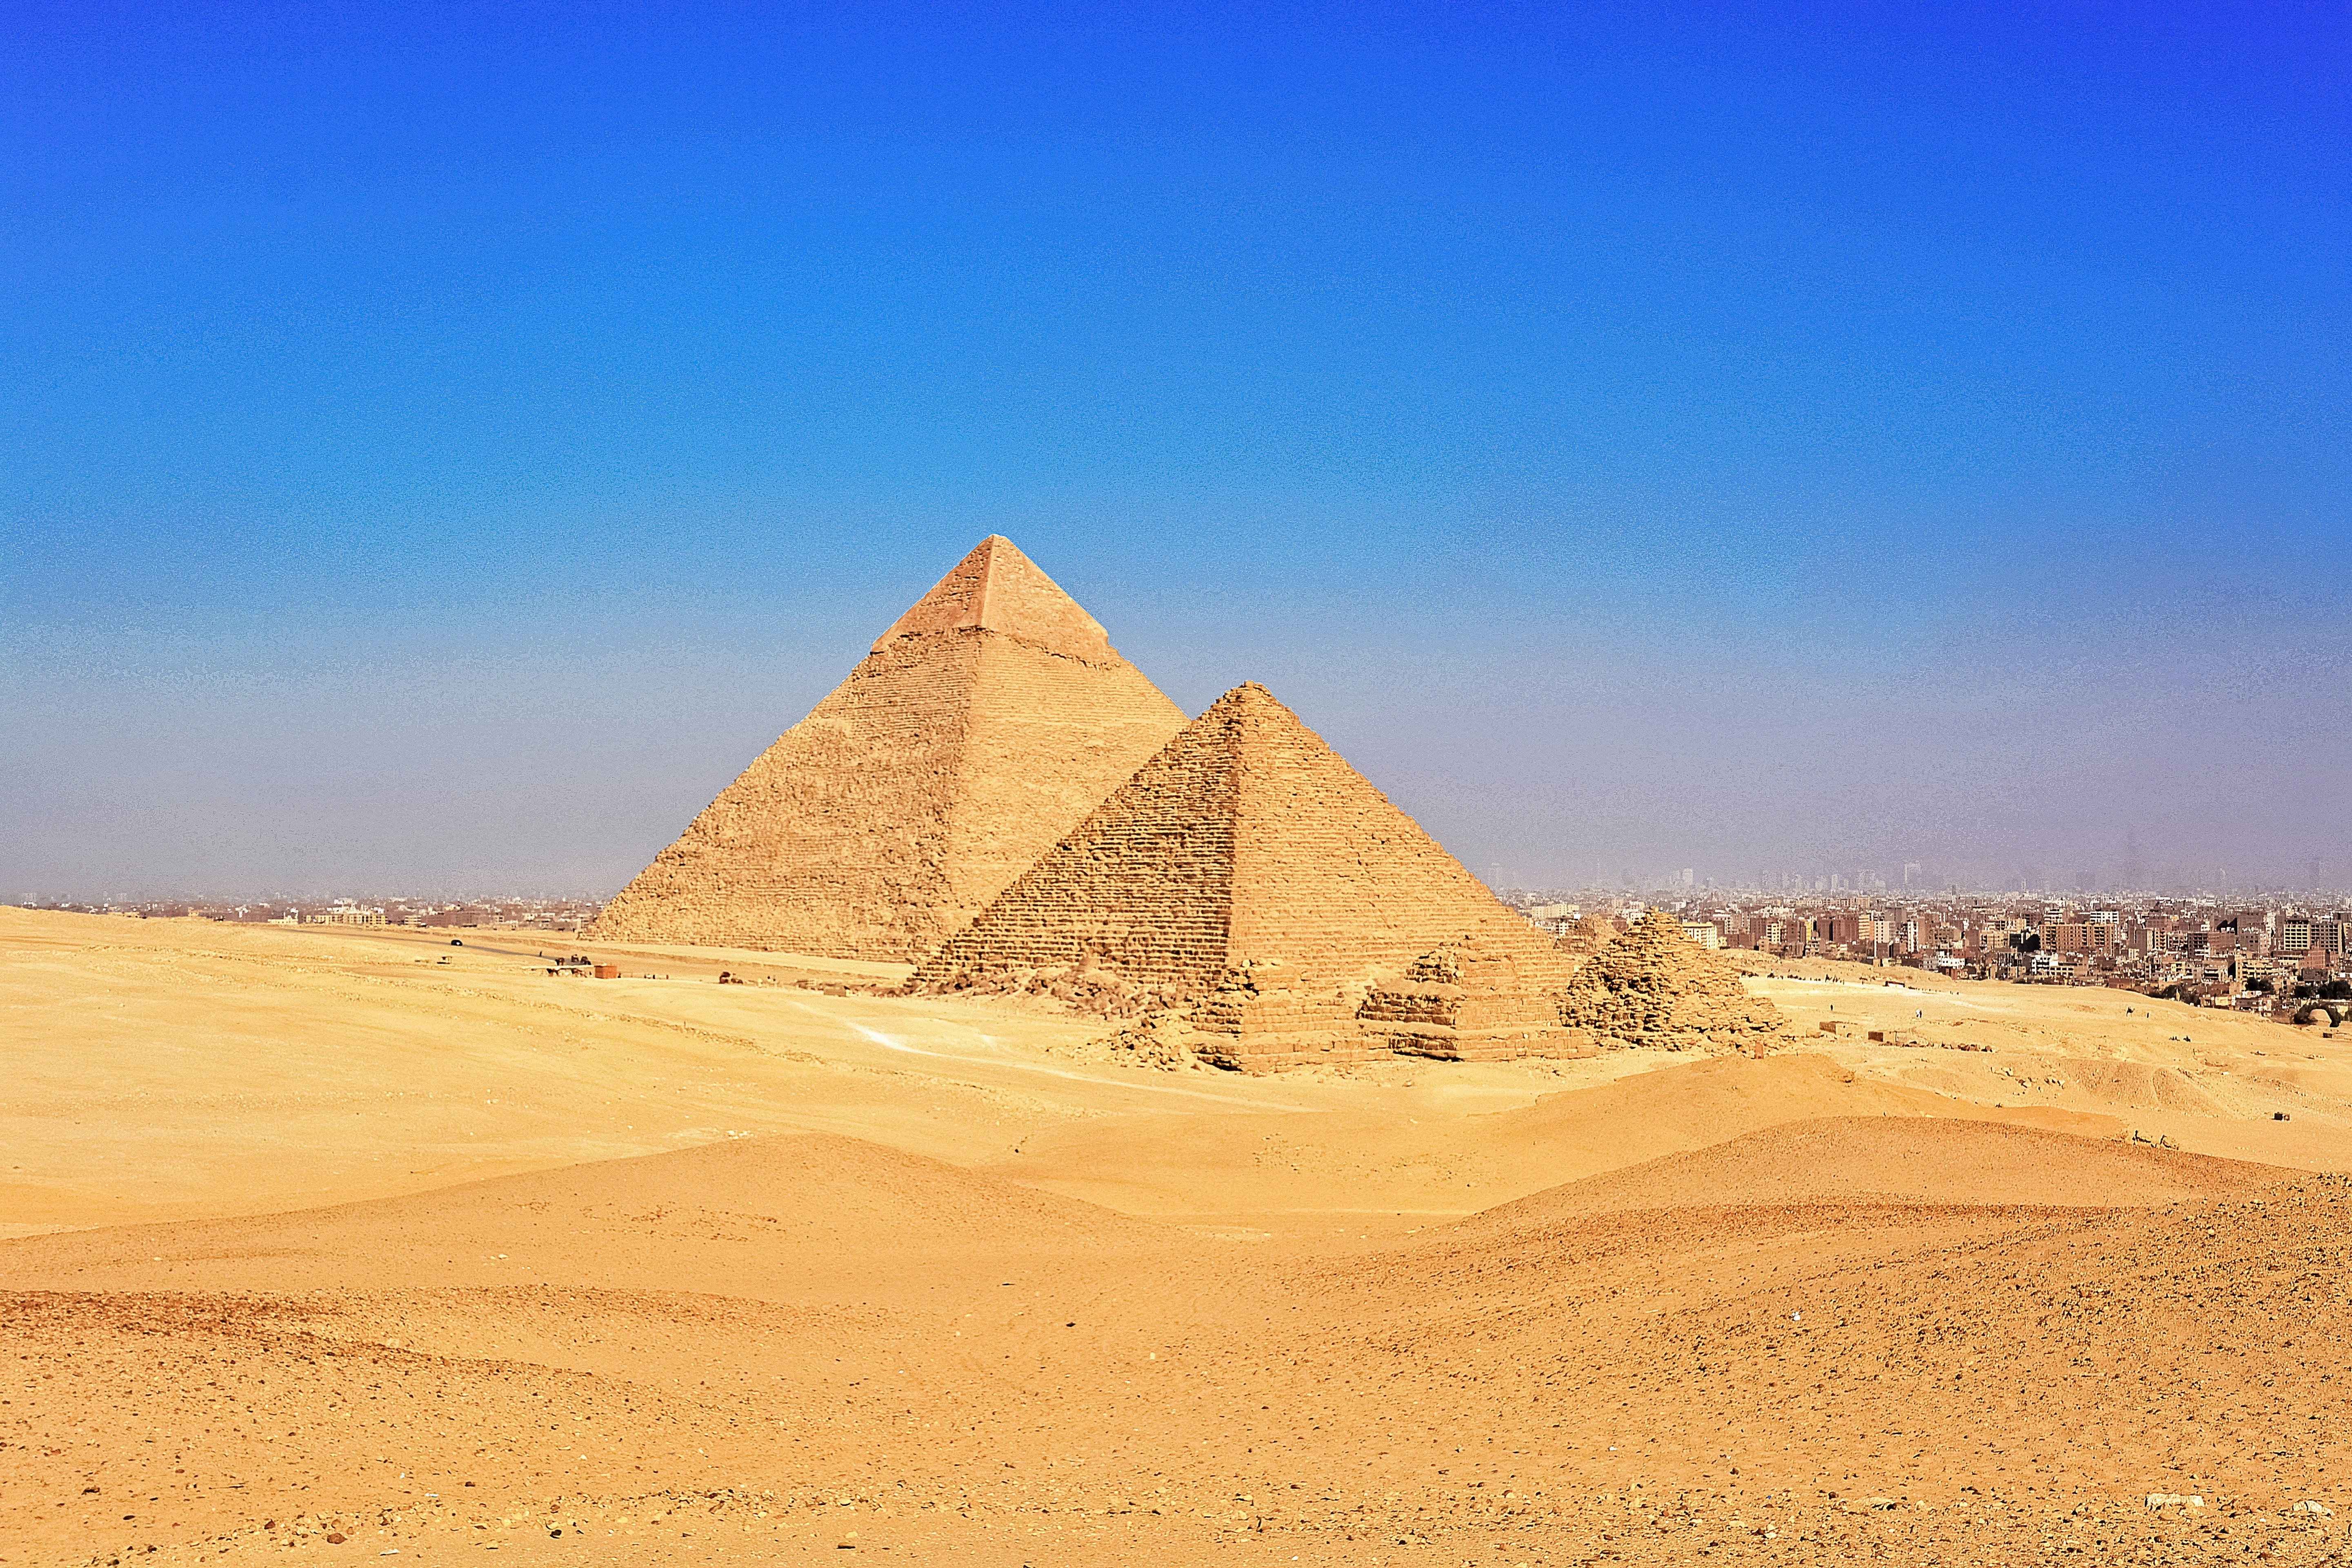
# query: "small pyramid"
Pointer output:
{"type": "Point", "coordinates": [1250, 877]}
{"type": "Point", "coordinates": [984, 724]}
{"type": "Point", "coordinates": [1653, 985]}
{"type": "Point", "coordinates": [1588, 936]}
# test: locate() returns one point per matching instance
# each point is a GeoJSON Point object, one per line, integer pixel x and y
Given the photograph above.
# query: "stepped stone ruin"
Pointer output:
{"type": "Point", "coordinates": [982, 727]}
{"type": "Point", "coordinates": [1588, 936]}
{"type": "Point", "coordinates": [1655, 986]}
{"type": "Point", "coordinates": [1251, 886]}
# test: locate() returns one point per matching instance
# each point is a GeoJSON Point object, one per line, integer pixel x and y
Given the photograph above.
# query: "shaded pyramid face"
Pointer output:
{"type": "Point", "coordinates": [984, 724]}
{"type": "Point", "coordinates": [1299, 913]}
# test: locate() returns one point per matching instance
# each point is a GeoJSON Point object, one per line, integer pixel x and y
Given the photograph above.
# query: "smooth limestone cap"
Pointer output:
{"type": "Point", "coordinates": [998, 589]}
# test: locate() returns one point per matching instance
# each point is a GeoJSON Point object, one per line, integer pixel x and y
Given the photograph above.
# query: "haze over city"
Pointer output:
{"type": "Point", "coordinates": [446, 445]}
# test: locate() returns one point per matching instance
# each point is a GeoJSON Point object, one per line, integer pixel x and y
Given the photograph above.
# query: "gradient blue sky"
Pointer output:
{"type": "Point", "coordinates": [444, 443]}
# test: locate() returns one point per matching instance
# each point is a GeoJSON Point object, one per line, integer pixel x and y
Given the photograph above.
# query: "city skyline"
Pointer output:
{"type": "Point", "coordinates": [1860, 883]}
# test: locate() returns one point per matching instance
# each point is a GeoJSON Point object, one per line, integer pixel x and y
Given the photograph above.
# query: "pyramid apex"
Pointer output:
{"type": "Point", "coordinates": [1251, 715]}
{"type": "Point", "coordinates": [1249, 695]}
{"type": "Point", "coordinates": [996, 588]}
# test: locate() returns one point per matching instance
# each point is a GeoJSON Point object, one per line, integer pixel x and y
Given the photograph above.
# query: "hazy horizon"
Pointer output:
{"type": "Point", "coordinates": [327, 897]}
{"type": "Point", "coordinates": [445, 447]}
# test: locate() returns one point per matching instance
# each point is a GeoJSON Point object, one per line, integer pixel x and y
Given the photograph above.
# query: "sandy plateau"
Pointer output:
{"type": "Point", "coordinates": [361, 1245]}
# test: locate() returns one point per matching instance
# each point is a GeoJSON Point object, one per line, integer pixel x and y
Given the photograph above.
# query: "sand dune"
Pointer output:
{"type": "Point", "coordinates": [1897, 1160]}
{"type": "Point", "coordinates": [424, 1226]}
{"type": "Point", "coordinates": [1416, 1168]}
{"type": "Point", "coordinates": [2137, 1085]}
{"type": "Point", "coordinates": [1778, 1364]}
{"type": "Point", "coordinates": [1710, 1101]}
{"type": "Point", "coordinates": [752, 1218]}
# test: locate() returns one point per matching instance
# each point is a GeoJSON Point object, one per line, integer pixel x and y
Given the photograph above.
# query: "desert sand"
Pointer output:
{"type": "Point", "coordinates": [358, 1245]}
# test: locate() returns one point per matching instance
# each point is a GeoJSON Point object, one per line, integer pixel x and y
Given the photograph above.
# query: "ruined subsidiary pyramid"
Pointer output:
{"type": "Point", "coordinates": [986, 724]}
{"type": "Point", "coordinates": [1588, 936]}
{"type": "Point", "coordinates": [1249, 878]}
{"type": "Point", "coordinates": [1655, 986]}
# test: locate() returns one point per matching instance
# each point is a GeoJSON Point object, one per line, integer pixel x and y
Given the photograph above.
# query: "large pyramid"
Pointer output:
{"type": "Point", "coordinates": [1249, 876]}
{"type": "Point", "coordinates": [982, 728]}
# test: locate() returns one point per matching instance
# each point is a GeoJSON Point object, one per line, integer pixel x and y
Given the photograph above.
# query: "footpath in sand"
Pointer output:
{"type": "Point", "coordinates": [320, 1237]}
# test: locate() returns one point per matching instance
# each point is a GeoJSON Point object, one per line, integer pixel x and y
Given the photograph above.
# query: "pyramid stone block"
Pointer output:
{"type": "Point", "coordinates": [983, 726]}
{"type": "Point", "coordinates": [1296, 913]}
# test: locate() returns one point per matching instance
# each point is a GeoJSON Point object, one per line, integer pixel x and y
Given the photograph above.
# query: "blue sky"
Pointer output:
{"type": "Point", "coordinates": [443, 444]}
